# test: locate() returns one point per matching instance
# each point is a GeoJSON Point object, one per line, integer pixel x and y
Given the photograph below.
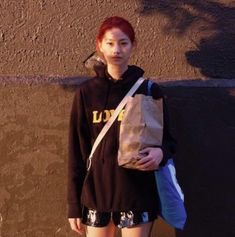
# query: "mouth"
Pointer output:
{"type": "Point", "coordinates": [116, 58]}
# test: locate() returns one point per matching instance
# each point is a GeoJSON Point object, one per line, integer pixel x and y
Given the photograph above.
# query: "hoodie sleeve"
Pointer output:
{"type": "Point", "coordinates": [76, 161]}
{"type": "Point", "coordinates": [168, 142]}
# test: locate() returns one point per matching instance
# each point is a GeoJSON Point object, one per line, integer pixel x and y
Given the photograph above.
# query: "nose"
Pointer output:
{"type": "Point", "coordinates": [116, 49]}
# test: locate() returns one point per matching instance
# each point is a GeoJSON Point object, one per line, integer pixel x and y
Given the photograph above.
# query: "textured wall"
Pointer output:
{"type": "Point", "coordinates": [33, 140]}
{"type": "Point", "coordinates": [33, 156]}
{"type": "Point", "coordinates": [176, 38]}
{"type": "Point", "coordinates": [203, 120]}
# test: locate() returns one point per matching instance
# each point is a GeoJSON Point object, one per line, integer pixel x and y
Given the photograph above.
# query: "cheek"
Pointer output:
{"type": "Point", "coordinates": [101, 47]}
{"type": "Point", "coordinates": [105, 54]}
{"type": "Point", "coordinates": [129, 51]}
{"type": "Point", "coordinates": [104, 50]}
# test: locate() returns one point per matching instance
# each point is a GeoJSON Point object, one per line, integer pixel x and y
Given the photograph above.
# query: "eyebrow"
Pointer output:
{"type": "Point", "coordinates": [123, 39]}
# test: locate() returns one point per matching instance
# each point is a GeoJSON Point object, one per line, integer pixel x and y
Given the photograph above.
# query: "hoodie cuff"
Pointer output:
{"type": "Point", "coordinates": [165, 156]}
{"type": "Point", "coordinates": [74, 210]}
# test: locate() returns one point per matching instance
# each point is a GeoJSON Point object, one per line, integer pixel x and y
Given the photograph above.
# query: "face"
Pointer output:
{"type": "Point", "coordinates": [116, 47]}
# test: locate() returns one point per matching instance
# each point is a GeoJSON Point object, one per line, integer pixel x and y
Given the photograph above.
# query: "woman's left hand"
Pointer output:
{"type": "Point", "coordinates": [151, 157]}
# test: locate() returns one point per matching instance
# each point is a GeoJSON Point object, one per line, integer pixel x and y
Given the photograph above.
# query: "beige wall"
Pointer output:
{"type": "Point", "coordinates": [33, 140]}
{"type": "Point", "coordinates": [174, 38]}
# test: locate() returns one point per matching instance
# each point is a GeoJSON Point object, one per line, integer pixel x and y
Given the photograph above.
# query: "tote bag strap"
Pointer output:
{"type": "Point", "coordinates": [112, 118]}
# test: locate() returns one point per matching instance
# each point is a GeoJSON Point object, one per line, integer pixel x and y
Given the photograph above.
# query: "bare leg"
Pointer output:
{"type": "Point", "coordinates": [142, 230]}
{"type": "Point", "coordinates": [107, 231]}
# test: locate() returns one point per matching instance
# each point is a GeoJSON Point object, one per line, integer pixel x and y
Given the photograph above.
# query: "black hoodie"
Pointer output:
{"type": "Point", "coordinates": [108, 187]}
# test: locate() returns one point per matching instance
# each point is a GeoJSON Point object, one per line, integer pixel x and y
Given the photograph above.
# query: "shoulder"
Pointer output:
{"type": "Point", "coordinates": [156, 90]}
{"type": "Point", "coordinates": [153, 88]}
{"type": "Point", "coordinates": [87, 85]}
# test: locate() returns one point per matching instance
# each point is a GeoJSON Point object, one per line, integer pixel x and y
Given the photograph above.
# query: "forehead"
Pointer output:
{"type": "Point", "coordinates": [115, 34]}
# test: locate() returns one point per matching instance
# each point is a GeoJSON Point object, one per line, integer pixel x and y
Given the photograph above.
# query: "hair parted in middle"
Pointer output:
{"type": "Point", "coordinates": [116, 22]}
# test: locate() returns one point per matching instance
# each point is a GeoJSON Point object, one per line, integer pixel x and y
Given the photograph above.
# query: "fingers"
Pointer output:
{"type": "Point", "coordinates": [147, 163]}
{"type": "Point", "coordinates": [76, 225]}
{"type": "Point", "coordinates": [144, 160]}
{"type": "Point", "coordinates": [80, 225]}
{"type": "Point", "coordinates": [145, 151]}
{"type": "Point", "coordinates": [151, 160]}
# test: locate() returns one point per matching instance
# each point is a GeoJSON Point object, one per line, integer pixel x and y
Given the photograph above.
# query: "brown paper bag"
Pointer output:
{"type": "Point", "coordinates": [141, 127]}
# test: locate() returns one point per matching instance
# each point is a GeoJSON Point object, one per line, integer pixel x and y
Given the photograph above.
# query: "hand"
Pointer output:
{"type": "Point", "coordinates": [150, 159]}
{"type": "Point", "coordinates": [76, 225]}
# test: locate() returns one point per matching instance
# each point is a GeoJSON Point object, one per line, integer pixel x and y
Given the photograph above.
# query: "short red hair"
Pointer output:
{"type": "Point", "coordinates": [116, 22]}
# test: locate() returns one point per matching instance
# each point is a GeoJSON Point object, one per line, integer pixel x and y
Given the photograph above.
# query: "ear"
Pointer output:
{"type": "Point", "coordinates": [99, 47]}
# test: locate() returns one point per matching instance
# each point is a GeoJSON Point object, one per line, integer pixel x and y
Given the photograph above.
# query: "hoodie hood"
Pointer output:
{"type": "Point", "coordinates": [95, 63]}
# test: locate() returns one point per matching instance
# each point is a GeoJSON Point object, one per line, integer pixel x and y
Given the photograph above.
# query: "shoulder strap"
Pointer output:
{"type": "Point", "coordinates": [112, 118]}
{"type": "Point", "coordinates": [150, 83]}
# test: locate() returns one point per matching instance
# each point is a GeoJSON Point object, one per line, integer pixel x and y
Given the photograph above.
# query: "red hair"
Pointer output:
{"type": "Point", "coordinates": [116, 22]}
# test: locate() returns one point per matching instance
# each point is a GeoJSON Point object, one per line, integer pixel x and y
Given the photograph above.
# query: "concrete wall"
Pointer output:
{"type": "Point", "coordinates": [203, 120]}
{"type": "Point", "coordinates": [33, 144]}
{"type": "Point", "coordinates": [176, 38]}
{"type": "Point", "coordinates": [42, 46]}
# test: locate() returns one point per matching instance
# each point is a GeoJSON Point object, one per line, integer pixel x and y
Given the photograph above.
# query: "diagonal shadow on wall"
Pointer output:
{"type": "Point", "coordinates": [214, 54]}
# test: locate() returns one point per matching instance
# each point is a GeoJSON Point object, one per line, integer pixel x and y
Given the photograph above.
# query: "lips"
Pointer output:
{"type": "Point", "coordinates": [116, 58]}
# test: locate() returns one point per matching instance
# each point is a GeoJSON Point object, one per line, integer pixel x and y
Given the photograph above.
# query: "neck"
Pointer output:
{"type": "Point", "coordinates": [116, 71]}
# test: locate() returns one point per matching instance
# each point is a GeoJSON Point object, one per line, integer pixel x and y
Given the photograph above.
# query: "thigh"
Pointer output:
{"type": "Point", "coordinates": [141, 230]}
{"type": "Point", "coordinates": [106, 231]}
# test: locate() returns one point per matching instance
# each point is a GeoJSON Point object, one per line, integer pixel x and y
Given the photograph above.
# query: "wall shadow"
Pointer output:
{"type": "Point", "coordinates": [214, 53]}
{"type": "Point", "coordinates": [202, 120]}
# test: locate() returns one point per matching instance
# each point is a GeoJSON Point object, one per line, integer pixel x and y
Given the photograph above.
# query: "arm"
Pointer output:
{"type": "Point", "coordinates": [76, 225]}
{"type": "Point", "coordinates": [76, 163]}
{"type": "Point", "coordinates": [168, 142]}
{"type": "Point", "coordinates": [154, 157]}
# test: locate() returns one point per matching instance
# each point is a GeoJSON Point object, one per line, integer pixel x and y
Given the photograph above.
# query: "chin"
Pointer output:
{"type": "Point", "coordinates": [119, 63]}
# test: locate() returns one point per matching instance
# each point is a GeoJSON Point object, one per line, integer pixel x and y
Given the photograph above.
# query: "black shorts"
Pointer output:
{"type": "Point", "coordinates": [121, 219]}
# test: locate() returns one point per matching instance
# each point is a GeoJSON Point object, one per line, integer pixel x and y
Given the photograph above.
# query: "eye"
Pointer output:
{"type": "Point", "coordinates": [124, 43]}
{"type": "Point", "coordinates": [109, 43]}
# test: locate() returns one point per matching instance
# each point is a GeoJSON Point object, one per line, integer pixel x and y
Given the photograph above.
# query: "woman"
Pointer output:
{"type": "Point", "coordinates": [109, 196]}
